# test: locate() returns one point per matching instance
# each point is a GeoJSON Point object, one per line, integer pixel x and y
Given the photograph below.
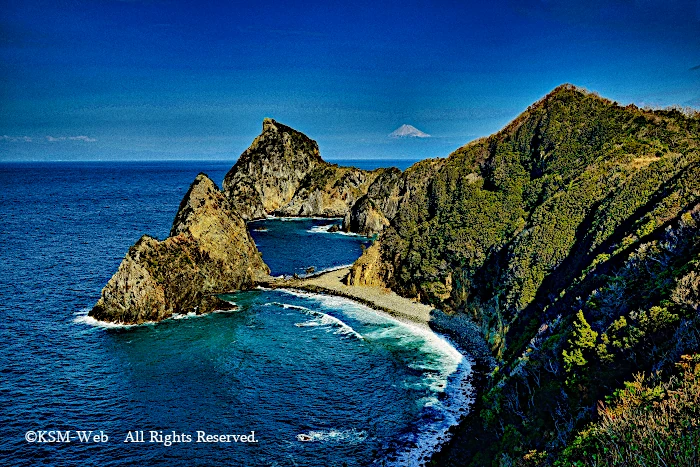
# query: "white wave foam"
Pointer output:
{"type": "Point", "coordinates": [348, 436]}
{"type": "Point", "coordinates": [307, 218]}
{"type": "Point", "coordinates": [320, 319]}
{"type": "Point", "coordinates": [287, 306]}
{"type": "Point", "coordinates": [191, 314]}
{"type": "Point", "coordinates": [445, 375]}
{"type": "Point", "coordinates": [332, 268]}
{"type": "Point", "coordinates": [326, 229]}
{"type": "Point", "coordinates": [323, 319]}
{"type": "Point", "coordinates": [320, 229]}
{"type": "Point", "coordinates": [83, 318]}
{"type": "Point", "coordinates": [431, 436]}
{"type": "Point", "coordinates": [405, 331]}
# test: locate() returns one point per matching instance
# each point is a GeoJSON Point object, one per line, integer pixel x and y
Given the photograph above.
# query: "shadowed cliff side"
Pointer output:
{"type": "Point", "coordinates": [374, 212]}
{"type": "Point", "coordinates": [209, 251]}
{"type": "Point", "coordinates": [282, 173]}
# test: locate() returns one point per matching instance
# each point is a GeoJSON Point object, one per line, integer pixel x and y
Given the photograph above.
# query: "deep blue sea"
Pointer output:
{"type": "Point", "coordinates": [361, 387]}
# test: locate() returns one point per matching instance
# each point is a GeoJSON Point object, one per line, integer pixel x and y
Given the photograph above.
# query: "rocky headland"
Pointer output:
{"type": "Point", "coordinates": [209, 251]}
{"type": "Point", "coordinates": [571, 241]}
{"type": "Point", "coordinates": [282, 174]}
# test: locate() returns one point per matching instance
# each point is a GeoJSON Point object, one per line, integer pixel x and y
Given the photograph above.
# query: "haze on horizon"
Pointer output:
{"type": "Point", "coordinates": [158, 79]}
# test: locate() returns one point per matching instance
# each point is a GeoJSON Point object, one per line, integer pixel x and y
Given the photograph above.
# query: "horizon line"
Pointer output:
{"type": "Point", "coordinates": [14, 161]}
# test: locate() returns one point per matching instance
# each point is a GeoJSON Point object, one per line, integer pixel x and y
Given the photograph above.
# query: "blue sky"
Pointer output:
{"type": "Point", "coordinates": [164, 79]}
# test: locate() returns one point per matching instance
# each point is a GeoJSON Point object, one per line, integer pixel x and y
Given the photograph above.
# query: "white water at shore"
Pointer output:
{"type": "Point", "coordinates": [321, 320]}
{"type": "Point", "coordinates": [445, 375]}
{"type": "Point", "coordinates": [325, 229]}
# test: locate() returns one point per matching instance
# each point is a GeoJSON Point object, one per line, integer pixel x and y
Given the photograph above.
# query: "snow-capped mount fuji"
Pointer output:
{"type": "Point", "coordinates": [408, 131]}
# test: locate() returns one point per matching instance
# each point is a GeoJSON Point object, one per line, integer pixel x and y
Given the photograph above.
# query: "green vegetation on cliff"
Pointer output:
{"type": "Point", "coordinates": [650, 421]}
{"type": "Point", "coordinates": [572, 239]}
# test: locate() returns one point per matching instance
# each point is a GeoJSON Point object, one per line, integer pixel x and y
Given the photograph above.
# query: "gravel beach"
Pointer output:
{"type": "Point", "coordinates": [331, 282]}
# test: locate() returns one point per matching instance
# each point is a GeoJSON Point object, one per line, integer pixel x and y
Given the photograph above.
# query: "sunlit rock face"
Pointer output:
{"type": "Point", "coordinates": [209, 251]}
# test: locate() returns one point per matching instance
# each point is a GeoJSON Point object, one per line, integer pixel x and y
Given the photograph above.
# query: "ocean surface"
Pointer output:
{"type": "Point", "coordinates": [304, 245]}
{"type": "Point", "coordinates": [359, 387]}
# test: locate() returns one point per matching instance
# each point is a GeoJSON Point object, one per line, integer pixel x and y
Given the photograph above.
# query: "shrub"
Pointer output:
{"type": "Point", "coordinates": [647, 423]}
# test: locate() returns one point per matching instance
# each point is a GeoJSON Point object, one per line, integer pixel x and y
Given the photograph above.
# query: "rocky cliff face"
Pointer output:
{"type": "Point", "coordinates": [268, 174]}
{"type": "Point", "coordinates": [329, 191]}
{"type": "Point", "coordinates": [365, 218]}
{"type": "Point", "coordinates": [282, 173]}
{"type": "Point", "coordinates": [370, 269]}
{"type": "Point", "coordinates": [209, 251]}
{"type": "Point", "coordinates": [391, 189]}
{"type": "Point", "coordinates": [372, 212]}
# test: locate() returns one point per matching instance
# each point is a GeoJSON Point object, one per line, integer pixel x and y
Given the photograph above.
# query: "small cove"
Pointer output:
{"type": "Point", "coordinates": [364, 387]}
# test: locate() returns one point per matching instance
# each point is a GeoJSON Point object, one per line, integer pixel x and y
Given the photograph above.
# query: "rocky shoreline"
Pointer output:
{"type": "Point", "coordinates": [209, 250]}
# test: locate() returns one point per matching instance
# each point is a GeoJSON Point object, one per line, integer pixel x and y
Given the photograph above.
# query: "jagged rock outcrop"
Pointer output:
{"type": "Point", "coordinates": [268, 173]}
{"type": "Point", "coordinates": [282, 173]}
{"type": "Point", "coordinates": [365, 218]}
{"type": "Point", "coordinates": [372, 212]}
{"type": "Point", "coordinates": [392, 188]}
{"type": "Point", "coordinates": [209, 251]}
{"type": "Point", "coordinates": [329, 191]}
{"type": "Point", "coordinates": [370, 269]}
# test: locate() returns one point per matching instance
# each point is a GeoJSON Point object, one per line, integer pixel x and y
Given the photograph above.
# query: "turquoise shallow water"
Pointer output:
{"type": "Point", "coordinates": [363, 388]}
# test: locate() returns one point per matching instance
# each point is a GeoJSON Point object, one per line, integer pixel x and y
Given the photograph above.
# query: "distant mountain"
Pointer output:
{"type": "Point", "coordinates": [408, 131]}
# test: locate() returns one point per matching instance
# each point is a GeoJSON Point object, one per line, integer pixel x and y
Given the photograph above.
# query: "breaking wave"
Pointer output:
{"type": "Point", "coordinates": [320, 319]}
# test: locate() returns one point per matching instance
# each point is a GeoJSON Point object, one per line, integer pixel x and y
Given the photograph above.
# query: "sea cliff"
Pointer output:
{"type": "Point", "coordinates": [282, 173]}
{"type": "Point", "coordinates": [564, 249]}
{"type": "Point", "coordinates": [209, 251]}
